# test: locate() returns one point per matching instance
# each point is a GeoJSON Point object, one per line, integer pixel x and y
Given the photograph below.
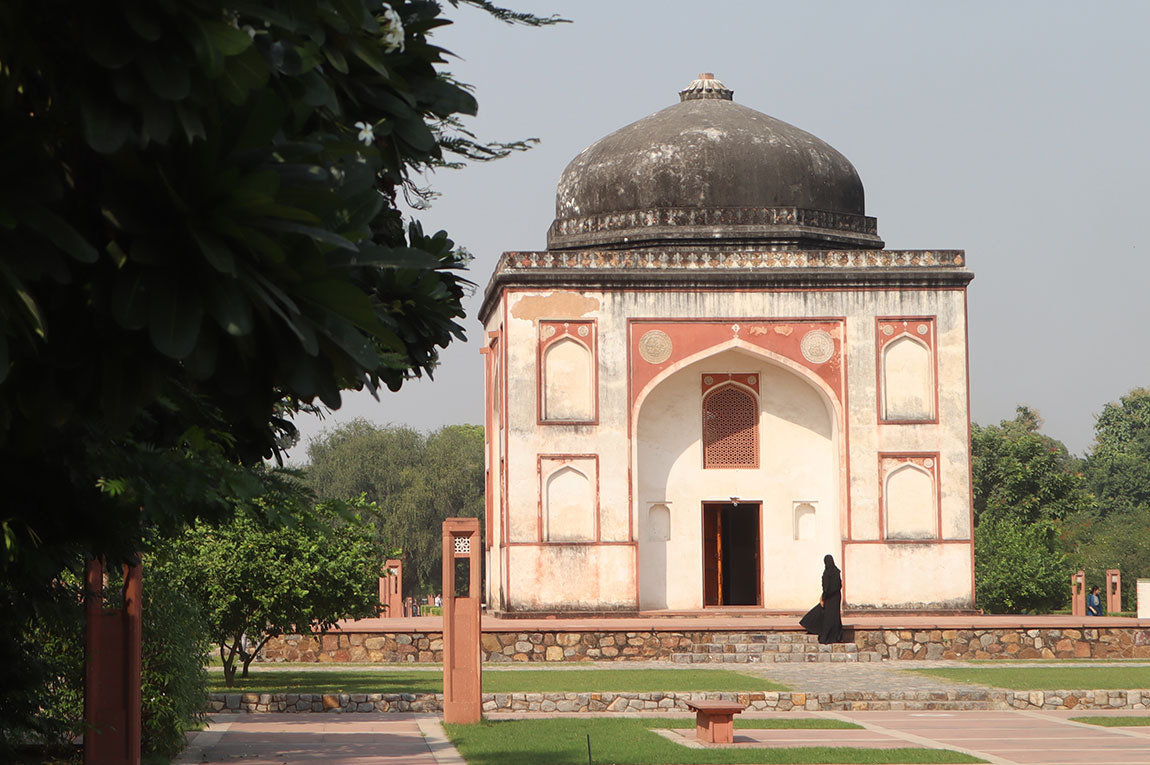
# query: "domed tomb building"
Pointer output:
{"type": "Point", "coordinates": [714, 375]}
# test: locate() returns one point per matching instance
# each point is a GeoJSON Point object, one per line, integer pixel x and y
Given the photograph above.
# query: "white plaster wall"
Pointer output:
{"type": "Point", "coordinates": [622, 508]}
{"type": "Point", "coordinates": [907, 575]}
{"type": "Point", "coordinates": [572, 577]}
{"type": "Point", "coordinates": [797, 462]}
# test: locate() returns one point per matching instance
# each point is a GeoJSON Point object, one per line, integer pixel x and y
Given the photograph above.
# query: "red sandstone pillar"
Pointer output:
{"type": "Point", "coordinates": [391, 589]}
{"type": "Point", "coordinates": [1078, 593]}
{"type": "Point", "coordinates": [461, 654]}
{"type": "Point", "coordinates": [113, 648]}
{"type": "Point", "coordinates": [1113, 590]}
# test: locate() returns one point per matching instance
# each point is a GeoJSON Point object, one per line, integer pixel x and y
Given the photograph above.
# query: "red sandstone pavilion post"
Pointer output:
{"type": "Point", "coordinates": [461, 654]}
{"type": "Point", "coordinates": [112, 641]}
{"type": "Point", "coordinates": [1113, 590]}
{"type": "Point", "coordinates": [1078, 593]}
{"type": "Point", "coordinates": [391, 589]}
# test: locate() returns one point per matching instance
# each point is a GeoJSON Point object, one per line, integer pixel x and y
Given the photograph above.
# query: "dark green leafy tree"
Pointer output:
{"type": "Point", "coordinates": [257, 581]}
{"type": "Point", "coordinates": [1118, 468]}
{"type": "Point", "coordinates": [1117, 533]}
{"type": "Point", "coordinates": [1025, 485]}
{"type": "Point", "coordinates": [417, 480]}
{"type": "Point", "coordinates": [173, 680]}
{"type": "Point", "coordinates": [1020, 474]}
{"type": "Point", "coordinates": [201, 234]}
{"type": "Point", "coordinates": [1019, 567]}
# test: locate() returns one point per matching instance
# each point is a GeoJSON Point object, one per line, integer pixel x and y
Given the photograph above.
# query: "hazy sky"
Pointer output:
{"type": "Point", "coordinates": [1017, 131]}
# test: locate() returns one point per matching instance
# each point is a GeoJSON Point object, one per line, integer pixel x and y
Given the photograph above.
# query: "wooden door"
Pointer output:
{"type": "Point", "coordinates": [712, 554]}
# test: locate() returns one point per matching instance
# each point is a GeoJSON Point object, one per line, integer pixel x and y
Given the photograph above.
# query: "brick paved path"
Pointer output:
{"type": "Point", "coordinates": [293, 739]}
{"type": "Point", "coordinates": [1014, 737]}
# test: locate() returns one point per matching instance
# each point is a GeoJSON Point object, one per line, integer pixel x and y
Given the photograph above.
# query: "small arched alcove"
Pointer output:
{"type": "Point", "coordinates": [798, 456]}
{"type": "Point", "coordinates": [568, 393]}
{"type": "Point", "coordinates": [568, 507]}
{"type": "Point", "coordinates": [910, 504]}
{"type": "Point", "coordinates": [907, 380]}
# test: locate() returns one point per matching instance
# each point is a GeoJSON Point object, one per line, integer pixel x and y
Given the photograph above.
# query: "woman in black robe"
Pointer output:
{"type": "Point", "coordinates": [825, 619]}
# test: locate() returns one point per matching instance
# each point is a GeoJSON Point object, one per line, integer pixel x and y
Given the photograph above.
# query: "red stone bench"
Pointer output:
{"type": "Point", "coordinates": [715, 720]}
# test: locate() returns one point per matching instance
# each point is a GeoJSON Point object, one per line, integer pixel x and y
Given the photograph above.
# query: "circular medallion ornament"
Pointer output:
{"type": "Point", "coordinates": [751, 380]}
{"type": "Point", "coordinates": [708, 380]}
{"type": "Point", "coordinates": [655, 346]}
{"type": "Point", "coordinates": [887, 330]}
{"type": "Point", "coordinates": [922, 329]}
{"type": "Point", "coordinates": [928, 462]}
{"type": "Point", "coordinates": [817, 346]}
{"type": "Point", "coordinates": [583, 330]}
{"type": "Point", "coordinates": [548, 331]}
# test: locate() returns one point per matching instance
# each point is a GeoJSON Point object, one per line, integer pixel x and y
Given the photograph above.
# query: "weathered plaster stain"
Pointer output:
{"type": "Point", "coordinates": [571, 305]}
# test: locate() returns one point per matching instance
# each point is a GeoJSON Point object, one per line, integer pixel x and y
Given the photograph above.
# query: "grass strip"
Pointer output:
{"type": "Point", "coordinates": [1046, 678]}
{"type": "Point", "coordinates": [517, 681]}
{"type": "Point", "coordinates": [1114, 722]}
{"type": "Point", "coordinates": [629, 741]}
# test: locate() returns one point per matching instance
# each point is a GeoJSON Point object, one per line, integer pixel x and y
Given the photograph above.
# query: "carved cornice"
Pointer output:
{"type": "Point", "coordinates": [710, 223]}
{"type": "Point", "coordinates": [728, 268]}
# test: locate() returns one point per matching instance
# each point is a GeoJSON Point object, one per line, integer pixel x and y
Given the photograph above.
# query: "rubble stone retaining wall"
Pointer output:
{"type": "Point", "coordinates": [594, 645]}
{"type": "Point", "coordinates": [675, 702]}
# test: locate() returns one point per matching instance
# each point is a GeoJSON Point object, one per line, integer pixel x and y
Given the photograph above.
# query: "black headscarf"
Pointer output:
{"type": "Point", "coordinates": [832, 578]}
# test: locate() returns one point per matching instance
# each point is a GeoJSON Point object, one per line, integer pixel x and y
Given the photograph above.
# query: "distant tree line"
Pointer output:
{"type": "Point", "coordinates": [416, 480]}
{"type": "Point", "coordinates": [1041, 513]}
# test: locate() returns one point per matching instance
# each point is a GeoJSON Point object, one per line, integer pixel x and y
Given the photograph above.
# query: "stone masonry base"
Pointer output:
{"type": "Point", "coordinates": [721, 646]}
{"type": "Point", "coordinates": [675, 702]}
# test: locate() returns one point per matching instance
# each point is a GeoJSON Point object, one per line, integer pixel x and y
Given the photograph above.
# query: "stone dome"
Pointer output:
{"type": "Point", "coordinates": [710, 171]}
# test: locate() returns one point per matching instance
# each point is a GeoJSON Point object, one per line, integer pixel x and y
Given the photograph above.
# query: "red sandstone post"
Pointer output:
{"type": "Point", "coordinates": [112, 657]}
{"type": "Point", "coordinates": [391, 589]}
{"type": "Point", "coordinates": [1113, 590]}
{"type": "Point", "coordinates": [461, 654]}
{"type": "Point", "coordinates": [1078, 593]}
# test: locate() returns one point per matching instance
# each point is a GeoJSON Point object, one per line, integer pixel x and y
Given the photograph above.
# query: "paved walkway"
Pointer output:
{"type": "Point", "coordinates": [353, 739]}
{"type": "Point", "coordinates": [999, 737]}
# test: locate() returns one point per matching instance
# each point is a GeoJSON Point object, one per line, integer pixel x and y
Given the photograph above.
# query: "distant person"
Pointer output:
{"type": "Point", "coordinates": [825, 619]}
{"type": "Point", "coordinates": [1093, 602]}
{"type": "Point", "coordinates": [439, 601]}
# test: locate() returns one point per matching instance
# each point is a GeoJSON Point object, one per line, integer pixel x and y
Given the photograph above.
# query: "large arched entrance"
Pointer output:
{"type": "Point", "coordinates": [735, 509]}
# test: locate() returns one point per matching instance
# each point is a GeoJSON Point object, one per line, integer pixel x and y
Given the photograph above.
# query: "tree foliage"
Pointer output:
{"type": "Point", "coordinates": [201, 234]}
{"type": "Point", "coordinates": [417, 480]}
{"type": "Point", "coordinates": [1118, 468]}
{"type": "Point", "coordinates": [173, 679]}
{"type": "Point", "coordinates": [256, 581]}
{"type": "Point", "coordinates": [1018, 566]}
{"type": "Point", "coordinates": [1025, 483]}
{"type": "Point", "coordinates": [1020, 474]}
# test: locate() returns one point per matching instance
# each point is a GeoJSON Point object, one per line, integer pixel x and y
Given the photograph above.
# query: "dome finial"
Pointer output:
{"type": "Point", "coordinates": [706, 86]}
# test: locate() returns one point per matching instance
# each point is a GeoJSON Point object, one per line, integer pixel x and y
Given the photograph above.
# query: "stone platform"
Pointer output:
{"type": "Point", "coordinates": [705, 639]}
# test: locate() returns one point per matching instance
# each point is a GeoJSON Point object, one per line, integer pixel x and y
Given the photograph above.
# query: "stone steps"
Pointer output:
{"type": "Point", "coordinates": [769, 658]}
{"type": "Point", "coordinates": [755, 648]}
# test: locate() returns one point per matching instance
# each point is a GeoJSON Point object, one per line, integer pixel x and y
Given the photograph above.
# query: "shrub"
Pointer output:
{"type": "Point", "coordinates": [1017, 566]}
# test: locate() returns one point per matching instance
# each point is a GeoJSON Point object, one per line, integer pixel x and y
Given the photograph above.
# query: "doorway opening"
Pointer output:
{"type": "Point", "coordinates": [732, 574]}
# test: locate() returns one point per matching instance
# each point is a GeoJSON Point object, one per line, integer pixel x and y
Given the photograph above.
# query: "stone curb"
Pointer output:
{"type": "Point", "coordinates": [783, 701]}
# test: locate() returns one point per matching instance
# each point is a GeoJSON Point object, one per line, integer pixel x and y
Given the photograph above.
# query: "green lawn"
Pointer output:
{"type": "Point", "coordinates": [507, 681]}
{"type": "Point", "coordinates": [1114, 722]}
{"type": "Point", "coordinates": [627, 741]}
{"type": "Point", "coordinates": [1047, 678]}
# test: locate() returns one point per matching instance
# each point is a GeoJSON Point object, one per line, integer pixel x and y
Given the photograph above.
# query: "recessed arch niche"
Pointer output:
{"type": "Point", "coordinates": [910, 500]}
{"type": "Point", "coordinates": [569, 506]}
{"type": "Point", "coordinates": [799, 456]}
